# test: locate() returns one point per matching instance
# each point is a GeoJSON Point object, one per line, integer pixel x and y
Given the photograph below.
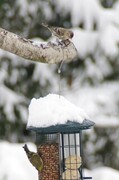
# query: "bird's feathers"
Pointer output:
{"type": "Point", "coordinates": [34, 158]}
{"type": "Point", "coordinates": [61, 33]}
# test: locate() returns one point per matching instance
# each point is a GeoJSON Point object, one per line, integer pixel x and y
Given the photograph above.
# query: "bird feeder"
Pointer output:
{"type": "Point", "coordinates": [61, 149]}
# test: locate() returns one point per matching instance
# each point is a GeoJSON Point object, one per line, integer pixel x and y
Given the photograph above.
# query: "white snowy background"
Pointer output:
{"type": "Point", "coordinates": [101, 102]}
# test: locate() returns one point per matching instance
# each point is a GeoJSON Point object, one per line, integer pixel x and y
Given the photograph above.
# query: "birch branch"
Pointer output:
{"type": "Point", "coordinates": [41, 52]}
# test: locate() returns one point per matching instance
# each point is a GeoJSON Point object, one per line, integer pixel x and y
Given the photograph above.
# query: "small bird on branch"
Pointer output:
{"type": "Point", "coordinates": [61, 33]}
{"type": "Point", "coordinates": [65, 35]}
{"type": "Point", "coordinates": [34, 158]}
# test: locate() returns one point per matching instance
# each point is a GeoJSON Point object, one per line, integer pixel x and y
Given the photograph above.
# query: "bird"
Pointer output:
{"type": "Point", "coordinates": [61, 33]}
{"type": "Point", "coordinates": [34, 158]}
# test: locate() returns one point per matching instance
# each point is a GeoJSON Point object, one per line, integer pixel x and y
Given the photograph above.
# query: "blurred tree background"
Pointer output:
{"type": "Point", "coordinates": [21, 80]}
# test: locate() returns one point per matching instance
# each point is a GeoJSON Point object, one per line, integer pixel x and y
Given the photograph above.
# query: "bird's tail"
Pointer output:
{"type": "Point", "coordinates": [45, 25]}
{"type": "Point", "coordinates": [26, 148]}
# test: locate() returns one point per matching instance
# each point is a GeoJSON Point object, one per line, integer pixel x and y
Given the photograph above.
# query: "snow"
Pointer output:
{"type": "Point", "coordinates": [109, 40]}
{"type": "Point", "coordinates": [53, 109]}
{"type": "Point", "coordinates": [100, 102]}
{"type": "Point", "coordinates": [9, 99]}
{"type": "Point", "coordinates": [45, 72]}
{"type": "Point", "coordinates": [102, 173]}
{"type": "Point", "coordinates": [90, 13]}
{"type": "Point", "coordinates": [81, 11]}
{"type": "Point", "coordinates": [27, 7]}
{"type": "Point", "coordinates": [101, 42]}
{"type": "Point", "coordinates": [105, 173]}
{"type": "Point", "coordinates": [14, 165]}
{"type": "Point", "coordinates": [82, 40]}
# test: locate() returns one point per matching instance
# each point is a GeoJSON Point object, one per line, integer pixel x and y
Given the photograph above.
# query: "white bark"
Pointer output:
{"type": "Point", "coordinates": [45, 53]}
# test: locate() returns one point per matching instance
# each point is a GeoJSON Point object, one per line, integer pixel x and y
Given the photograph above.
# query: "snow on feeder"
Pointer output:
{"type": "Point", "coordinates": [58, 125]}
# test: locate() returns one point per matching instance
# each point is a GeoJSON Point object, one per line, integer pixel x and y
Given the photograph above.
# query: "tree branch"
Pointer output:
{"type": "Point", "coordinates": [41, 52]}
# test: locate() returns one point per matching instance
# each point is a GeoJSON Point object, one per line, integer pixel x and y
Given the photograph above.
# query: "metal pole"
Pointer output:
{"type": "Point", "coordinates": [63, 156]}
{"type": "Point", "coordinates": [81, 154]}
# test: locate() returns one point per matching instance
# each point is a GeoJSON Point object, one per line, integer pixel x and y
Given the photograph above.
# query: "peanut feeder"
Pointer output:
{"type": "Point", "coordinates": [58, 125]}
{"type": "Point", "coordinates": [60, 147]}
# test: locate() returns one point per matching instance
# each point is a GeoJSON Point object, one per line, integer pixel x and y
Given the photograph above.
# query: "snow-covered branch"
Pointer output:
{"type": "Point", "coordinates": [41, 52]}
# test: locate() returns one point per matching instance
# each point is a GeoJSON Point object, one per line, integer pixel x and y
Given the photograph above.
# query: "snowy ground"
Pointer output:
{"type": "Point", "coordinates": [14, 165]}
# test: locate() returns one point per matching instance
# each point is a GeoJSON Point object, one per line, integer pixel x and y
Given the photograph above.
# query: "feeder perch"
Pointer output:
{"type": "Point", "coordinates": [60, 147]}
